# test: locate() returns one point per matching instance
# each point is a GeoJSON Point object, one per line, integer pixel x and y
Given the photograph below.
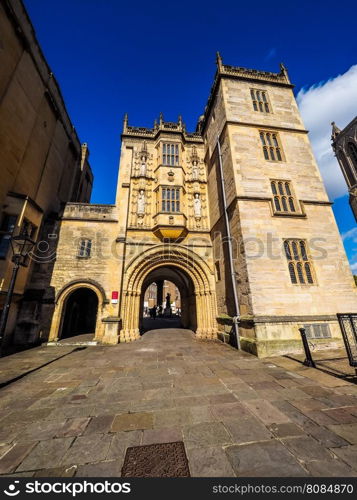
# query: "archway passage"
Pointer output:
{"type": "Point", "coordinates": [165, 300]}
{"type": "Point", "coordinates": [188, 270]}
{"type": "Point", "coordinates": [80, 313]}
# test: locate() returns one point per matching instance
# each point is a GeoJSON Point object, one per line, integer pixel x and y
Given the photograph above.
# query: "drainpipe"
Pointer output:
{"type": "Point", "coordinates": [236, 318]}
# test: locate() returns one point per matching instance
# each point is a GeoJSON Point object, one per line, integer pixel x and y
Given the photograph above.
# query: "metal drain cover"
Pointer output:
{"type": "Point", "coordinates": [156, 460]}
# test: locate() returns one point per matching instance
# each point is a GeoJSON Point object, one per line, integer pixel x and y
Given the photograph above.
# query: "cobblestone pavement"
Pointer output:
{"type": "Point", "coordinates": [237, 415]}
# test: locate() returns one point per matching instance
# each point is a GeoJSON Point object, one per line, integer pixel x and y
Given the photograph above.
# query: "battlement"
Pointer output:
{"type": "Point", "coordinates": [160, 126]}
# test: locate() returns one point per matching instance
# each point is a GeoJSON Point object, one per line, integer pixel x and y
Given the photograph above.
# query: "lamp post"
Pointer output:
{"type": "Point", "coordinates": [21, 245]}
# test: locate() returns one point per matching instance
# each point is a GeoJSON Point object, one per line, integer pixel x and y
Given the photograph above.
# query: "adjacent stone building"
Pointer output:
{"type": "Point", "coordinates": [344, 144]}
{"type": "Point", "coordinates": [42, 166]}
{"type": "Point", "coordinates": [168, 223]}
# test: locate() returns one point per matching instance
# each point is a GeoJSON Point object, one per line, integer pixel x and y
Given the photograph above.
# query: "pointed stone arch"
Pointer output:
{"type": "Point", "coordinates": [177, 257]}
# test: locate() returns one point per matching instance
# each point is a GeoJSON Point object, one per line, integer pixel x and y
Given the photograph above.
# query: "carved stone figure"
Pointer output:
{"type": "Point", "coordinates": [197, 205]}
{"type": "Point", "coordinates": [143, 166]}
{"type": "Point", "coordinates": [141, 202]}
{"type": "Point", "coordinates": [195, 170]}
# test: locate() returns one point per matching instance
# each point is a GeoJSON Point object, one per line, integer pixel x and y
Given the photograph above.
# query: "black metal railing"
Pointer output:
{"type": "Point", "coordinates": [308, 358]}
{"type": "Point", "coordinates": [348, 325]}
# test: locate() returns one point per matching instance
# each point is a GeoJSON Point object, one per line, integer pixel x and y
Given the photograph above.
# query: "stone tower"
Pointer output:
{"type": "Point", "coordinates": [290, 264]}
{"type": "Point", "coordinates": [344, 144]}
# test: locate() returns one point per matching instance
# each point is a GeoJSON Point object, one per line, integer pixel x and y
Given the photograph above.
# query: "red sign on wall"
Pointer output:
{"type": "Point", "coordinates": [115, 297]}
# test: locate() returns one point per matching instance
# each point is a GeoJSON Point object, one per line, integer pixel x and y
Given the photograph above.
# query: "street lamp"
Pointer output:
{"type": "Point", "coordinates": [21, 246]}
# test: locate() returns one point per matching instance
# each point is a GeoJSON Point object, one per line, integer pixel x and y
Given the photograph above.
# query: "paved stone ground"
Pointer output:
{"type": "Point", "coordinates": [334, 362]}
{"type": "Point", "coordinates": [237, 415]}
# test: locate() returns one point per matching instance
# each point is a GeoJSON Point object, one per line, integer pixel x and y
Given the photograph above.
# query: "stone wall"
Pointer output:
{"type": "Point", "coordinates": [43, 164]}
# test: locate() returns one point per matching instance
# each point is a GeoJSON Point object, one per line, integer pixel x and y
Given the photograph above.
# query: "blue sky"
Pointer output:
{"type": "Point", "coordinates": [112, 57]}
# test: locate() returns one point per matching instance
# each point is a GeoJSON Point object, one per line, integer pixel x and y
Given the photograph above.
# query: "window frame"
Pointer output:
{"type": "Point", "coordinates": [177, 199]}
{"type": "Point", "coordinates": [299, 261]}
{"type": "Point", "coordinates": [165, 155]}
{"type": "Point", "coordinates": [271, 146]}
{"type": "Point", "coordinates": [84, 251]}
{"type": "Point", "coordinates": [254, 95]}
{"type": "Point", "coordinates": [287, 193]}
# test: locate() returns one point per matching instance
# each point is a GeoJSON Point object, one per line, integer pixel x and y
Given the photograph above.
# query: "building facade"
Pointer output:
{"type": "Point", "coordinates": [344, 144]}
{"type": "Point", "coordinates": [43, 166]}
{"type": "Point", "coordinates": [167, 223]}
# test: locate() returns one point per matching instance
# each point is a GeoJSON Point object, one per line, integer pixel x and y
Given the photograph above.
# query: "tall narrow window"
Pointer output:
{"type": "Point", "coordinates": [260, 100]}
{"type": "Point", "coordinates": [299, 264]}
{"type": "Point", "coordinates": [84, 249]}
{"type": "Point", "coordinates": [6, 229]}
{"type": "Point", "coordinates": [283, 197]}
{"type": "Point", "coordinates": [351, 177]}
{"type": "Point", "coordinates": [271, 146]}
{"type": "Point", "coordinates": [218, 270]}
{"type": "Point", "coordinates": [352, 151]}
{"type": "Point", "coordinates": [170, 201]}
{"type": "Point", "coordinates": [170, 154]}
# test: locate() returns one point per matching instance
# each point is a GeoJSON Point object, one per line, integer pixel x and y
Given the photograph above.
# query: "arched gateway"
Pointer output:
{"type": "Point", "coordinates": [191, 275]}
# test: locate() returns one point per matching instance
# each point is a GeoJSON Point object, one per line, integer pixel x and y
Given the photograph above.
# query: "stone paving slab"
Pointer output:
{"type": "Point", "coordinates": [76, 414]}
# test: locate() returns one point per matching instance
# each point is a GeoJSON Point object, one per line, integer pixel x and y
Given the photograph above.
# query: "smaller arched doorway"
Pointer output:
{"type": "Point", "coordinates": [80, 313]}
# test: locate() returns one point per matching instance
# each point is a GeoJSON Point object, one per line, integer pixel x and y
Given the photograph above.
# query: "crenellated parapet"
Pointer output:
{"type": "Point", "coordinates": [160, 126]}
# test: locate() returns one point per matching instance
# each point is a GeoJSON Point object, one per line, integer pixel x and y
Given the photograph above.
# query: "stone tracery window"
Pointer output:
{"type": "Point", "coordinates": [271, 145]}
{"type": "Point", "coordinates": [350, 175]}
{"type": "Point", "coordinates": [299, 263]}
{"type": "Point", "coordinates": [352, 151]}
{"type": "Point", "coordinates": [283, 198]}
{"type": "Point", "coordinates": [170, 154]}
{"type": "Point", "coordinates": [260, 100]}
{"type": "Point", "coordinates": [170, 199]}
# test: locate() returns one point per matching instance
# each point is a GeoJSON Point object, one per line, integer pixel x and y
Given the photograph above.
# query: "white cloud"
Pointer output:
{"type": "Point", "coordinates": [351, 234]}
{"type": "Point", "coordinates": [333, 100]}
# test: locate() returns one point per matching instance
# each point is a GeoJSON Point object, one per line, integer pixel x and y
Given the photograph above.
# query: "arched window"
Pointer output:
{"type": "Point", "coordinates": [285, 206]}
{"type": "Point", "coordinates": [283, 198]}
{"type": "Point", "coordinates": [287, 250]}
{"type": "Point", "coordinates": [303, 250]}
{"type": "Point", "coordinates": [308, 273]}
{"type": "Point", "coordinates": [291, 204]}
{"type": "Point", "coordinates": [271, 146]}
{"type": "Point", "coordinates": [277, 204]}
{"type": "Point", "coordinates": [352, 151]}
{"type": "Point", "coordinates": [260, 100]}
{"type": "Point", "coordinates": [295, 250]}
{"type": "Point", "coordinates": [292, 273]}
{"type": "Point", "coordinates": [299, 264]}
{"type": "Point", "coordinates": [351, 178]}
{"type": "Point", "coordinates": [300, 273]}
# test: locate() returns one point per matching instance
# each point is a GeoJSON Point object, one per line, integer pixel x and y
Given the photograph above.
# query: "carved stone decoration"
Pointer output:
{"type": "Point", "coordinates": [143, 166]}
{"type": "Point", "coordinates": [195, 167]}
{"type": "Point", "coordinates": [197, 206]}
{"type": "Point", "coordinates": [141, 202]}
{"type": "Point", "coordinates": [195, 170]}
{"type": "Point", "coordinates": [171, 176]}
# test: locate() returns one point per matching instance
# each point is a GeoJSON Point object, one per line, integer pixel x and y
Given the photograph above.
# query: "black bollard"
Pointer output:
{"type": "Point", "coordinates": [308, 359]}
